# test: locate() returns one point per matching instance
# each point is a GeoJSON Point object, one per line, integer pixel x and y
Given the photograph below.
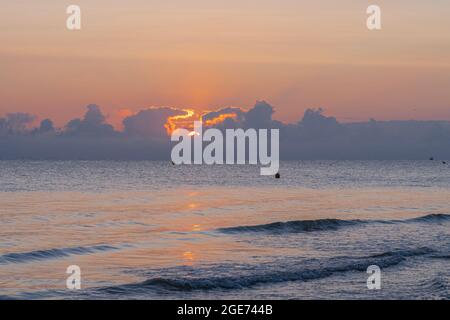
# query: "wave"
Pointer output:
{"type": "Point", "coordinates": [443, 257]}
{"type": "Point", "coordinates": [437, 217]}
{"type": "Point", "coordinates": [295, 226]}
{"type": "Point", "coordinates": [24, 257]}
{"type": "Point", "coordinates": [299, 226]}
{"type": "Point", "coordinates": [265, 274]}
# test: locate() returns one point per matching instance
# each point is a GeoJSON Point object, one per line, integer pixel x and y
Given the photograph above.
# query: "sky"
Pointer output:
{"type": "Point", "coordinates": [206, 55]}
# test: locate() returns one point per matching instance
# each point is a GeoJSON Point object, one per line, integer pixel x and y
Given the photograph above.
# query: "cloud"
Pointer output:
{"type": "Point", "coordinates": [150, 122]}
{"type": "Point", "coordinates": [93, 124]}
{"type": "Point", "coordinates": [46, 126]}
{"type": "Point", "coordinates": [229, 110]}
{"type": "Point", "coordinates": [315, 136]}
{"type": "Point", "coordinates": [260, 116]}
{"type": "Point", "coordinates": [15, 123]}
{"type": "Point", "coordinates": [319, 137]}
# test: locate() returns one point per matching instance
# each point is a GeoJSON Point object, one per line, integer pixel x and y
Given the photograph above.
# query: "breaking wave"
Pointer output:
{"type": "Point", "coordinates": [325, 224]}
{"type": "Point", "coordinates": [267, 274]}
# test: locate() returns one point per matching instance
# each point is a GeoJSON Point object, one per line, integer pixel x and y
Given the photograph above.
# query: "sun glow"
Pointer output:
{"type": "Point", "coordinates": [186, 121]}
{"type": "Point", "coordinates": [219, 119]}
{"type": "Point", "coordinates": [177, 121]}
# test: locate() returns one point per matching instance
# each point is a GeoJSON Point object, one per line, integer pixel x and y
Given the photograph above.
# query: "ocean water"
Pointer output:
{"type": "Point", "coordinates": [151, 230]}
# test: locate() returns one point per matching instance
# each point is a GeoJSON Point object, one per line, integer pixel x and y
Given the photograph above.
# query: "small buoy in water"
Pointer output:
{"type": "Point", "coordinates": [444, 162]}
{"type": "Point", "coordinates": [431, 158]}
{"type": "Point", "coordinates": [277, 175]}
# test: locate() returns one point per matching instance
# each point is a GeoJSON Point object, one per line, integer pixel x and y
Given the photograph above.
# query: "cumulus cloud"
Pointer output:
{"type": "Point", "coordinates": [93, 124]}
{"type": "Point", "coordinates": [150, 122]}
{"type": "Point", "coordinates": [15, 123]}
{"type": "Point", "coordinates": [260, 116]}
{"type": "Point", "coordinates": [315, 136]}
{"type": "Point", "coordinates": [233, 112]}
{"type": "Point", "coordinates": [46, 126]}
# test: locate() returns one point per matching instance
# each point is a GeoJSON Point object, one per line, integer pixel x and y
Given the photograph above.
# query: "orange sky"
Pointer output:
{"type": "Point", "coordinates": [200, 55]}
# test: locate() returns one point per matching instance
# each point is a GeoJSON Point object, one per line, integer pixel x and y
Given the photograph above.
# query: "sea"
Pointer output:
{"type": "Point", "coordinates": [153, 230]}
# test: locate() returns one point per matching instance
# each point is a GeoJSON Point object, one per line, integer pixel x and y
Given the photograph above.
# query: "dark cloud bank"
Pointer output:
{"type": "Point", "coordinates": [316, 136]}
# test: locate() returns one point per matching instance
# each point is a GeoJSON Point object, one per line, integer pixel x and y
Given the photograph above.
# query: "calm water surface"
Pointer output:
{"type": "Point", "coordinates": [150, 230]}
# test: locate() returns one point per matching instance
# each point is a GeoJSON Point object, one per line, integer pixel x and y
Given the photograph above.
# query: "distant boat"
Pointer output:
{"type": "Point", "coordinates": [431, 158]}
